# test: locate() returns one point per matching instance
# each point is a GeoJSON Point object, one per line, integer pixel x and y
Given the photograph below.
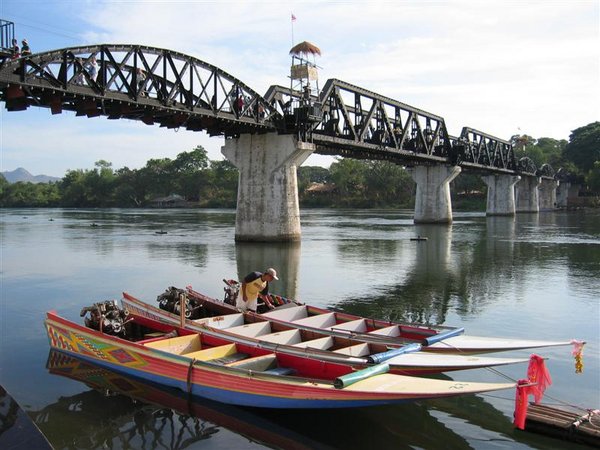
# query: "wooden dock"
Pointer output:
{"type": "Point", "coordinates": [564, 424]}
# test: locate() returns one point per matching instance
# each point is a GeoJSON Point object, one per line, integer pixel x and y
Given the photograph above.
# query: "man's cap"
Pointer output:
{"type": "Point", "coordinates": [272, 272]}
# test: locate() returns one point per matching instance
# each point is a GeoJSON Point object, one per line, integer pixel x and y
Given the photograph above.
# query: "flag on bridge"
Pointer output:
{"type": "Point", "coordinates": [293, 17]}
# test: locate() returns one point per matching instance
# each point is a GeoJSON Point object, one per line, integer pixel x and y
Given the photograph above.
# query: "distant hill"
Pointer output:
{"type": "Point", "coordinates": [21, 174]}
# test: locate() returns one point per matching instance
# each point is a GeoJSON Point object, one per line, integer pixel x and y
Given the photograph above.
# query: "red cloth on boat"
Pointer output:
{"type": "Point", "coordinates": [539, 375]}
{"type": "Point", "coordinates": [521, 403]}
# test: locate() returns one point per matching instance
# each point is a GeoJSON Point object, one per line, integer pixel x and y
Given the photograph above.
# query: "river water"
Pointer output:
{"type": "Point", "coordinates": [534, 275]}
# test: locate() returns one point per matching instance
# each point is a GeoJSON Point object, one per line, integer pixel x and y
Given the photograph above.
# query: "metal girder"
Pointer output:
{"type": "Point", "coordinates": [137, 82]}
{"type": "Point", "coordinates": [486, 150]}
{"type": "Point", "coordinates": [356, 122]}
{"type": "Point", "coordinates": [356, 118]}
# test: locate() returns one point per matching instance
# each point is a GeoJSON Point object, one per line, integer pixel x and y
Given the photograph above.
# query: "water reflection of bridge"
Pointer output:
{"type": "Point", "coordinates": [268, 137]}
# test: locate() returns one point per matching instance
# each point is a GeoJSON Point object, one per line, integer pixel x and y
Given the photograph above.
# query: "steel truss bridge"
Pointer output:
{"type": "Point", "coordinates": [174, 90]}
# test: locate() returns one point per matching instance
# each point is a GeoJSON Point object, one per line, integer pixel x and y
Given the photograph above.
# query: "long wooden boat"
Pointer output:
{"type": "Point", "coordinates": [246, 375]}
{"type": "Point", "coordinates": [438, 339]}
{"type": "Point", "coordinates": [282, 338]}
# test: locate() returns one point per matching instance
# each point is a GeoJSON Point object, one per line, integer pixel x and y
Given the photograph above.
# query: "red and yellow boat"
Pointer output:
{"type": "Point", "coordinates": [202, 366]}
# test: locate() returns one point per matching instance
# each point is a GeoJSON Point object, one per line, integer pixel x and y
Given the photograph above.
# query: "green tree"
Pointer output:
{"type": "Point", "coordinates": [72, 189]}
{"type": "Point", "coordinates": [349, 177]}
{"type": "Point", "coordinates": [551, 151]}
{"type": "Point", "coordinates": [129, 190]}
{"type": "Point", "coordinates": [220, 185]}
{"type": "Point", "coordinates": [583, 148]}
{"type": "Point", "coordinates": [158, 177]}
{"type": "Point", "coordinates": [594, 178]}
{"type": "Point", "coordinates": [388, 184]}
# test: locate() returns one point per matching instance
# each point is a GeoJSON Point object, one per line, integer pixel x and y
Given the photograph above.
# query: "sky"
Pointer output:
{"type": "Point", "coordinates": [501, 67]}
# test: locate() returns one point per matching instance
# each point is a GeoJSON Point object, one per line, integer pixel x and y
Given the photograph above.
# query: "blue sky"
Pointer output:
{"type": "Point", "coordinates": [502, 67]}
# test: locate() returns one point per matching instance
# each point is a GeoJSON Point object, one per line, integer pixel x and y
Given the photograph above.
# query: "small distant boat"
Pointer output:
{"type": "Point", "coordinates": [245, 375]}
{"type": "Point", "coordinates": [418, 238]}
{"type": "Point", "coordinates": [94, 225]}
{"type": "Point", "coordinates": [160, 232]}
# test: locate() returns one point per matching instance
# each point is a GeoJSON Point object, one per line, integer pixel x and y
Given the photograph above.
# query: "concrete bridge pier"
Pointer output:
{"type": "Point", "coordinates": [565, 191]}
{"type": "Point", "coordinates": [501, 194]}
{"type": "Point", "coordinates": [526, 193]}
{"type": "Point", "coordinates": [548, 194]}
{"type": "Point", "coordinates": [433, 203]}
{"type": "Point", "coordinates": [267, 203]}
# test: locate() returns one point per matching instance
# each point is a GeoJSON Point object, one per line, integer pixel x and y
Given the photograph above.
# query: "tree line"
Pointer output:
{"type": "Point", "coordinates": [346, 183]}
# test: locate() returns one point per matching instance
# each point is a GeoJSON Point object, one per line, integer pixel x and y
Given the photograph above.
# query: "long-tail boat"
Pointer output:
{"type": "Point", "coordinates": [432, 338]}
{"type": "Point", "coordinates": [282, 338]}
{"type": "Point", "coordinates": [239, 374]}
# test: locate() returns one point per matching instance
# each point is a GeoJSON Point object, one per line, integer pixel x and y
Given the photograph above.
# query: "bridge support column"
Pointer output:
{"type": "Point", "coordinates": [564, 191]}
{"type": "Point", "coordinates": [267, 202]}
{"type": "Point", "coordinates": [501, 194]}
{"type": "Point", "coordinates": [433, 203]}
{"type": "Point", "coordinates": [526, 193]}
{"type": "Point", "coordinates": [548, 194]}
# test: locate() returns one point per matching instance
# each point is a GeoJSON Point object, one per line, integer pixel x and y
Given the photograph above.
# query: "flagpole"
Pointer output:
{"type": "Point", "coordinates": [293, 19]}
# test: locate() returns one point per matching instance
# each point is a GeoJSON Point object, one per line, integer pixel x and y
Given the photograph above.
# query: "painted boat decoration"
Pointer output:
{"type": "Point", "coordinates": [439, 339]}
{"type": "Point", "coordinates": [281, 338]}
{"type": "Point", "coordinates": [246, 375]}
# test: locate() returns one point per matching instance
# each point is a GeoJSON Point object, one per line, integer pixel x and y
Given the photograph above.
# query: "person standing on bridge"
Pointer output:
{"type": "Point", "coordinates": [25, 50]}
{"type": "Point", "coordinates": [15, 52]}
{"type": "Point", "coordinates": [141, 78]}
{"type": "Point", "coordinates": [92, 68]}
{"type": "Point", "coordinates": [253, 285]}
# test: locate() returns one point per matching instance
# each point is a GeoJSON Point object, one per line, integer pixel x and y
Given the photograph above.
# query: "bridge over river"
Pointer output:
{"type": "Point", "coordinates": [268, 137]}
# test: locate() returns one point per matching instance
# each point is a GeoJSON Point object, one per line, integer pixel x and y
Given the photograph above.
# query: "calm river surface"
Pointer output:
{"type": "Point", "coordinates": [534, 276]}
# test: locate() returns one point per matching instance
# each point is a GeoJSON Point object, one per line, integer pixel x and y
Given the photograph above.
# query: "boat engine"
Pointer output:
{"type": "Point", "coordinates": [231, 291]}
{"type": "Point", "coordinates": [106, 317]}
{"type": "Point", "coordinates": [170, 301]}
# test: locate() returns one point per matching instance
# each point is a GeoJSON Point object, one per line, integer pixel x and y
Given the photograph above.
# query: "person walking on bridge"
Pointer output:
{"type": "Point", "coordinates": [253, 285]}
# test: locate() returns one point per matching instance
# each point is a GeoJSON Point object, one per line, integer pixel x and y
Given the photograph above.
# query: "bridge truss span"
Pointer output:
{"type": "Point", "coordinates": [354, 122]}
{"type": "Point", "coordinates": [153, 85]}
{"type": "Point", "coordinates": [476, 149]}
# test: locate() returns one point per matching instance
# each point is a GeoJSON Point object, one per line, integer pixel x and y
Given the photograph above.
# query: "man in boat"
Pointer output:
{"type": "Point", "coordinates": [253, 285]}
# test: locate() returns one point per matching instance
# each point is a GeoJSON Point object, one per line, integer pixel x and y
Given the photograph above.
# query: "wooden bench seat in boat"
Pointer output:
{"type": "Point", "coordinates": [288, 337]}
{"type": "Point", "coordinates": [257, 363]}
{"type": "Point", "coordinates": [265, 364]}
{"type": "Point", "coordinates": [391, 331]}
{"type": "Point", "coordinates": [357, 325]}
{"type": "Point", "coordinates": [218, 355]}
{"type": "Point", "coordinates": [179, 345]}
{"type": "Point", "coordinates": [321, 343]}
{"type": "Point", "coordinates": [251, 329]}
{"type": "Point", "coordinates": [288, 314]}
{"type": "Point", "coordinates": [319, 321]}
{"type": "Point", "coordinates": [222, 322]}
{"type": "Point", "coordinates": [354, 350]}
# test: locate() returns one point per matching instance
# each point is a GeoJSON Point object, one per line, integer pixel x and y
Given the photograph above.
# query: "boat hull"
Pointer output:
{"type": "Point", "coordinates": [240, 387]}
